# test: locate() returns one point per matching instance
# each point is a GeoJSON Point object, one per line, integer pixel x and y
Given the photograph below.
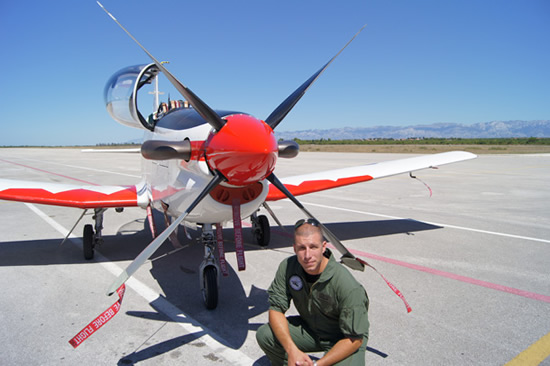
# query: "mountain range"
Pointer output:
{"type": "Point", "coordinates": [494, 129]}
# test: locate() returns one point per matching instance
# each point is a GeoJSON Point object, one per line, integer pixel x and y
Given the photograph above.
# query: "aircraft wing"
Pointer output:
{"type": "Point", "coordinates": [315, 182]}
{"type": "Point", "coordinates": [69, 195]}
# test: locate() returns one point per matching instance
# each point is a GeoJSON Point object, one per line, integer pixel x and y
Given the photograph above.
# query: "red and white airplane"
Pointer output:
{"type": "Point", "coordinates": [205, 167]}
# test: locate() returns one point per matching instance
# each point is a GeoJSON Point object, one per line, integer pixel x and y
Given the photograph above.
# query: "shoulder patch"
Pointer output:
{"type": "Point", "coordinates": [296, 283]}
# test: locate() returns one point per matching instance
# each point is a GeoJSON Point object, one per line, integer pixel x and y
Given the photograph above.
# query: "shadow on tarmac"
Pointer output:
{"type": "Point", "coordinates": [177, 274]}
{"type": "Point", "coordinates": [159, 349]}
{"type": "Point", "coordinates": [134, 236]}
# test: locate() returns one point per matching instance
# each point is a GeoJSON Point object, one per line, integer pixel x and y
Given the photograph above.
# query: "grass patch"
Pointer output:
{"type": "Point", "coordinates": [424, 149]}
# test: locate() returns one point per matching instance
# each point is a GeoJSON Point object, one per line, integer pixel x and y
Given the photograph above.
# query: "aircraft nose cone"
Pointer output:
{"type": "Point", "coordinates": [244, 150]}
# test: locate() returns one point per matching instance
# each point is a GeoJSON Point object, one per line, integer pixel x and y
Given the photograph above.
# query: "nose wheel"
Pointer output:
{"type": "Point", "coordinates": [261, 229]}
{"type": "Point", "coordinates": [210, 287]}
{"type": "Point", "coordinates": [209, 269]}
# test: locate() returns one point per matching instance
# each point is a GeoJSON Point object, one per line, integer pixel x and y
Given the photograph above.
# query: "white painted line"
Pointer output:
{"type": "Point", "coordinates": [72, 238]}
{"type": "Point", "coordinates": [234, 357]}
{"type": "Point", "coordinates": [85, 168]}
{"type": "Point", "coordinates": [433, 223]}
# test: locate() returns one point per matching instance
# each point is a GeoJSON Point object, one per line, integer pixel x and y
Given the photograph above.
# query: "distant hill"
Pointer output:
{"type": "Point", "coordinates": [494, 129]}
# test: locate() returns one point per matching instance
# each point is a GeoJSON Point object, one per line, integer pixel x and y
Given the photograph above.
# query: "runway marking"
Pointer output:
{"type": "Point", "coordinates": [473, 281]}
{"type": "Point", "coordinates": [95, 170]}
{"type": "Point", "coordinates": [69, 166]}
{"type": "Point", "coordinates": [437, 272]}
{"type": "Point", "coordinates": [434, 223]}
{"type": "Point", "coordinates": [233, 356]}
{"type": "Point", "coordinates": [534, 354]}
{"type": "Point", "coordinates": [48, 172]}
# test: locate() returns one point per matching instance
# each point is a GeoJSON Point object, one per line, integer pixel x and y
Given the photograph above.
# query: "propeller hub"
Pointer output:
{"type": "Point", "coordinates": [244, 150]}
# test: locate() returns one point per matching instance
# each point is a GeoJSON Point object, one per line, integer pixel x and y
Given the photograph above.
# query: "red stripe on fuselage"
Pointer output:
{"type": "Point", "coordinates": [197, 150]}
{"type": "Point", "coordinates": [314, 186]}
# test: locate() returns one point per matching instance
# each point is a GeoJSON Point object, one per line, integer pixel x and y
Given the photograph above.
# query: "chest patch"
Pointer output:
{"type": "Point", "coordinates": [296, 283]}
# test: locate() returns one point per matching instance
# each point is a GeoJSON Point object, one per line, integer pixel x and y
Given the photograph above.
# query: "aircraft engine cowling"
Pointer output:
{"type": "Point", "coordinates": [120, 94]}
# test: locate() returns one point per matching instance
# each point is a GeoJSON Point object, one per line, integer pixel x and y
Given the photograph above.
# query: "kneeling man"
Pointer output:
{"type": "Point", "coordinates": [332, 306]}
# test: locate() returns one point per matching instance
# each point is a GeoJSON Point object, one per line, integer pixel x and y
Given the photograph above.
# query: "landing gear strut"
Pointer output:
{"type": "Point", "coordinates": [261, 229]}
{"type": "Point", "coordinates": [209, 269]}
{"type": "Point", "coordinates": [91, 239]}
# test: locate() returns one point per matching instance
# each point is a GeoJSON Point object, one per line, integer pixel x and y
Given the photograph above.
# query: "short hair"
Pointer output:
{"type": "Point", "coordinates": [308, 227]}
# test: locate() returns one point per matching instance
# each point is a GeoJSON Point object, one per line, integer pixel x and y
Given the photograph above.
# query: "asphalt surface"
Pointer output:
{"type": "Point", "coordinates": [472, 260]}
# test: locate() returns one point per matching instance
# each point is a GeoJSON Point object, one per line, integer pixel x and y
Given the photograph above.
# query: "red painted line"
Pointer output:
{"type": "Point", "coordinates": [472, 281]}
{"type": "Point", "coordinates": [48, 172]}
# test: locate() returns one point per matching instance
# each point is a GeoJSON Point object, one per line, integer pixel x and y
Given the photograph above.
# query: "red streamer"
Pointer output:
{"type": "Point", "coordinates": [100, 321]}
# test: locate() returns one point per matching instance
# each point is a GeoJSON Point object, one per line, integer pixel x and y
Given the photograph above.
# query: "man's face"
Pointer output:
{"type": "Point", "coordinates": [309, 249]}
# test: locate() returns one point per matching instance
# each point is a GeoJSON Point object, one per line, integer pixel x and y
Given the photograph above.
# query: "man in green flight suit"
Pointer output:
{"type": "Point", "coordinates": [332, 306]}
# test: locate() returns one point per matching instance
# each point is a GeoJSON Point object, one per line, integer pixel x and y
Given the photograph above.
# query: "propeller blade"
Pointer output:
{"type": "Point", "coordinates": [155, 244]}
{"type": "Point", "coordinates": [201, 107]}
{"type": "Point", "coordinates": [285, 107]}
{"type": "Point", "coordinates": [347, 258]}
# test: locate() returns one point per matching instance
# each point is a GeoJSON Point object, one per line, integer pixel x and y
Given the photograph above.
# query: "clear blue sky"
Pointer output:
{"type": "Point", "coordinates": [416, 61]}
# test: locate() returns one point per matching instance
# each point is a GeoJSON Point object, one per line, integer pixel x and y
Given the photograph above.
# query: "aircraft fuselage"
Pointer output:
{"type": "Point", "coordinates": [176, 182]}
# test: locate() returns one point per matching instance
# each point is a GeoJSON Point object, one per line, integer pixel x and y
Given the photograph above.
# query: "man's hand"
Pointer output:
{"type": "Point", "coordinates": [299, 358]}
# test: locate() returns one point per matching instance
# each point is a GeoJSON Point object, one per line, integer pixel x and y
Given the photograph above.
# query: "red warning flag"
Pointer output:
{"type": "Point", "coordinates": [101, 320]}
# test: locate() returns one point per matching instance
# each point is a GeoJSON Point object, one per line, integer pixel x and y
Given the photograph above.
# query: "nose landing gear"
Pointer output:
{"type": "Point", "coordinates": [209, 269]}
{"type": "Point", "coordinates": [261, 229]}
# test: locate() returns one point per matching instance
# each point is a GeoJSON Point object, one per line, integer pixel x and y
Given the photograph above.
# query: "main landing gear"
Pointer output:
{"type": "Point", "coordinates": [92, 233]}
{"type": "Point", "coordinates": [90, 238]}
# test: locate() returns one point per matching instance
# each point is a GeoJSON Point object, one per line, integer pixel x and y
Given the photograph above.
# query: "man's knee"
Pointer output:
{"type": "Point", "coordinates": [265, 336]}
{"type": "Point", "coordinates": [270, 345]}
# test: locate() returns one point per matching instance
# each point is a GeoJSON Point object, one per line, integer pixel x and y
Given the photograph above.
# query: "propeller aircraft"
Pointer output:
{"type": "Point", "coordinates": [205, 167]}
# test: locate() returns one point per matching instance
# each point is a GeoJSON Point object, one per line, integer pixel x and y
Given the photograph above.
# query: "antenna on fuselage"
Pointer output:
{"type": "Point", "coordinates": [157, 92]}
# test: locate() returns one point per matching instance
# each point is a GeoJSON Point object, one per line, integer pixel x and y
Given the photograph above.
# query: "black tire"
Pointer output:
{"type": "Point", "coordinates": [88, 241]}
{"type": "Point", "coordinates": [210, 290]}
{"type": "Point", "coordinates": [263, 235]}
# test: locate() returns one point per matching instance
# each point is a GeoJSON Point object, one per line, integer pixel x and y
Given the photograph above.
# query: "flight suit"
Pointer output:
{"type": "Point", "coordinates": [332, 308]}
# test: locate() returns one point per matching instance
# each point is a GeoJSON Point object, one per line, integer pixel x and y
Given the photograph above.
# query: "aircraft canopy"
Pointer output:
{"type": "Point", "coordinates": [121, 91]}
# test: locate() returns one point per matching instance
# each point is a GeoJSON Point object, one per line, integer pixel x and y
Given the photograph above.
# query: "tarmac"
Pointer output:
{"type": "Point", "coordinates": [471, 257]}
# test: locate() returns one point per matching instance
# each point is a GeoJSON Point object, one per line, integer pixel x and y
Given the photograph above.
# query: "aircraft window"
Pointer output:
{"type": "Point", "coordinates": [118, 96]}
